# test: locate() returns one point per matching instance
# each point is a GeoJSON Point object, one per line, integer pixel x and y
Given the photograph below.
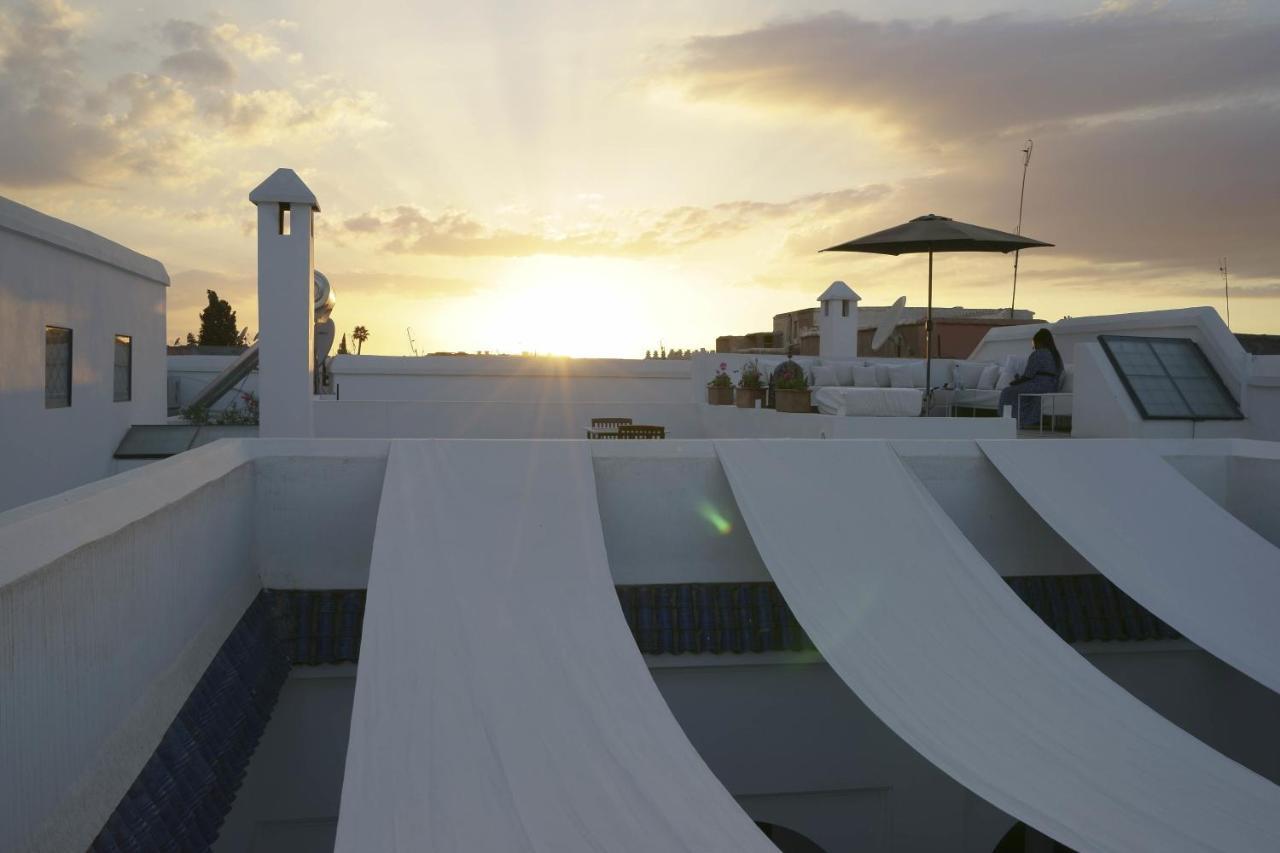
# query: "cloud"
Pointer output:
{"type": "Point", "coordinates": [173, 122]}
{"type": "Point", "coordinates": [959, 79]}
{"type": "Point", "coordinates": [44, 137]}
{"type": "Point", "coordinates": [408, 229]}
{"type": "Point", "coordinates": [1154, 132]}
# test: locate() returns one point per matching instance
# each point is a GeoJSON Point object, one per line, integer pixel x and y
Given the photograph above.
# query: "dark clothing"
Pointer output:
{"type": "Point", "coordinates": [1041, 376]}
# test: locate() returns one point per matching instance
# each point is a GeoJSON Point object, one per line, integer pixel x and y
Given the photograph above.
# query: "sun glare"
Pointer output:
{"type": "Point", "coordinates": [570, 306]}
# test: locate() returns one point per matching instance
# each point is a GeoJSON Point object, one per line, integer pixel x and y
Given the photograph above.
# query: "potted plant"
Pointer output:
{"type": "Point", "coordinates": [791, 388]}
{"type": "Point", "coordinates": [720, 388]}
{"type": "Point", "coordinates": [750, 387]}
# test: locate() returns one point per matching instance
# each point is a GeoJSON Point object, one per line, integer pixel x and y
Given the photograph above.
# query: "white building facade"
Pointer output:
{"type": "Point", "coordinates": [82, 349]}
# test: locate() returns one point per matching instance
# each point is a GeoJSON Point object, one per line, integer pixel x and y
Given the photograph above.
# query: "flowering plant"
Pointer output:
{"type": "Point", "coordinates": [750, 376]}
{"type": "Point", "coordinates": [790, 376]}
{"type": "Point", "coordinates": [721, 379]}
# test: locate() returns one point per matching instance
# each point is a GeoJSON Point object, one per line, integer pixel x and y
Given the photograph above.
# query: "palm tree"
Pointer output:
{"type": "Point", "coordinates": [360, 335]}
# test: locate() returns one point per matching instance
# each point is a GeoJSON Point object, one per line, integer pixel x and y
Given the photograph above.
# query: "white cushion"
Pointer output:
{"type": "Point", "coordinates": [917, 375]}
{"type": "Point", "coordinates": [990, 375]}
{"type": "Point", "coordinates": [882, 375]}
{"type": "Point", "coordinates": [904, 375]}
{"type": "Point", "coordinates": [865, 377]}
{"type": "Point", "coordinates": [1016, 363]}
{"type": "Point", "coordinates": [967, 374]}
{"type": "Point", "coordinates": [823, 376]}
{"type": "Point", "coordinates": [844, 372]}
{"type": "Point", "coordinates": [1009, 370]}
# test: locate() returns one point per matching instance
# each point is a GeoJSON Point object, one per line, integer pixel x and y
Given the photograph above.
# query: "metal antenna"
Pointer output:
{"type": "Point", "coordinates": [1022, 194]}
{"type": "Point", "coordinates": [1226, 289]}
{"type": "Point", "coordinates": [408, 330]}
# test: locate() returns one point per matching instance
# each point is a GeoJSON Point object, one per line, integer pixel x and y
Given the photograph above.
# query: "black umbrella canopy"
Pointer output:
{"type": "Point", "coordinates": [933, 233]}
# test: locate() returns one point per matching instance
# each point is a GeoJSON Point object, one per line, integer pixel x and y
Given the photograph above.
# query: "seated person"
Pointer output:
{"type": "Point", "coordinates": [1042, 375]}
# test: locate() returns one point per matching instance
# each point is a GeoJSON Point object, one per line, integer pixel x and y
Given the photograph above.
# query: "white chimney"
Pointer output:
{"type": "Point", "coordinates": [286, 316]}
{"type": "Point", "coordinates": [838, 322]}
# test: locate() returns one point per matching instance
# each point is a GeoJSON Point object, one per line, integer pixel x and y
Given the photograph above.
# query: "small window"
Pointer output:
{"type": "Point", "coordinates": [123, 369]}
{"type": "Point", "coordinates": [57, 367]}
{"type": "Point", "coordinates": [286, 218]}
{"type": "Point", "coordinates": [844, 307]}
{"type": "Point", "coordinates": [826, 309]}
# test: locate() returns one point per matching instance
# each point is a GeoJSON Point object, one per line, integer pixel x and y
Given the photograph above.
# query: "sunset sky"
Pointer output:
{"type": "Point", "coordinates": [591, 178]}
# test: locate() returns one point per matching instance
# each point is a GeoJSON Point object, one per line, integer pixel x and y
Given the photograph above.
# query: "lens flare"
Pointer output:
{"type": "Point", "coordinates": [721, 524]}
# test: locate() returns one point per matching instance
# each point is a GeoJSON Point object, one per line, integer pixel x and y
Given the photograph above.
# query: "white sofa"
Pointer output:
{"type": "Point", "coordinates": [1056, 404]}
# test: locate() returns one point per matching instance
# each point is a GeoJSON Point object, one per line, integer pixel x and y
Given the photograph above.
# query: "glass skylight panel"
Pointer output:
{"type": "Point", "coordinates": [155, 441]}
{"type": "Point", "coordinates": [1169, 378]}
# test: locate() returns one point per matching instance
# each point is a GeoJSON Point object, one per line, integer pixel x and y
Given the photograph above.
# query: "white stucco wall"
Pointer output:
{"type": "Point", "coordinates": [55, 274]}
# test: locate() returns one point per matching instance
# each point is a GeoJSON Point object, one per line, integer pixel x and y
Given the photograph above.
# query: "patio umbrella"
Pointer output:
{"type": "Point", "coordinates": [932, 233]}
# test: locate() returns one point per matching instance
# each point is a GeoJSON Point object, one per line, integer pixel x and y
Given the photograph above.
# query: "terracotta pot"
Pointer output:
{"type": "Point", "coordinates": [720, 396]}
{"type": "Point", "coordinates": [745, 398]}
{"type": "Point", "coordinates": [789, 400]}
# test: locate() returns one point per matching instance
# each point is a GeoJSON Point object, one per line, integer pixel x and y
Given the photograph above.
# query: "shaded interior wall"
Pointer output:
{"type": "Point", "coordinates": [1253, 495]}
{"type": "Point", "coordinates": [289, 800]}
{"type": "Point", "coordinates": [1002, 526]}
{"type": "Point", "coordinates": [1244, 486]}
{"type": "Point", "coordinates": [1197, 692]}
{"type": "Point", "coordinates": [673, 521]}
{"type": "Point", "coordinates": [314, 519]}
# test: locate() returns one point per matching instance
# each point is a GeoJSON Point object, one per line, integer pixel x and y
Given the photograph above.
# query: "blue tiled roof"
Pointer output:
{"type": "Point", "coordinates": [711, 618]}
{"type": "Point", "coordinates": [318, 626]}
{"type": "Point", "coordinates": [1088, 607]}
{"type": "Point", "coordinates": [186, 788]}
{"type": "Point", "coordinates": [324, 626]}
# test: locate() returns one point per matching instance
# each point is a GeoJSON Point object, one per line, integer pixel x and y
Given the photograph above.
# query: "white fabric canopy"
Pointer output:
{"type": "Point", "coordinates": [501, 702]}
{"type": "Point", "coordinates": [938, 646]}
{"type": "Point", "coordinates": [1158, 538]}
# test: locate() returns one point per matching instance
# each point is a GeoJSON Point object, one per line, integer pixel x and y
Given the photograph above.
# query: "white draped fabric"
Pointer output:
{"type": "Point", "coordinates": [938, 646]}
{"type": "Point", "coordinates": [1160, 539]}
{"type": "Point", "coordinates": [501, 702]}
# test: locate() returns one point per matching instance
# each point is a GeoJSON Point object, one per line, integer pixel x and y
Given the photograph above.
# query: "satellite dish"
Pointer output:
{"type": "Point", "coordinates": [890, 322]}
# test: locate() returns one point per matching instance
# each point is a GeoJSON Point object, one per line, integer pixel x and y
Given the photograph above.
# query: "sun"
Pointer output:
{"type": "Point", "coordinates": [580, 307]}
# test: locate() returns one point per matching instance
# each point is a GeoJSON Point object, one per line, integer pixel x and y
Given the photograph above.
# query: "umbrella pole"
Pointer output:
{"type": "Point", "coordinates": [928, 341]}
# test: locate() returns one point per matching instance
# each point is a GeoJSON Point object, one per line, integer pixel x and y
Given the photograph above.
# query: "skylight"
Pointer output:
{"type": "Point", "coordinates": [1169, 378]}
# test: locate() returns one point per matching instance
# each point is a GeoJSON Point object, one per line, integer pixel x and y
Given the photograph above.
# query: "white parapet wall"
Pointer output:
{"type": "Point", "coordinates": [452, 419]}
{"type": "Point", "coordinates": [114, 598]}
{"type": "Point", "coordinates": [510, 379]}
